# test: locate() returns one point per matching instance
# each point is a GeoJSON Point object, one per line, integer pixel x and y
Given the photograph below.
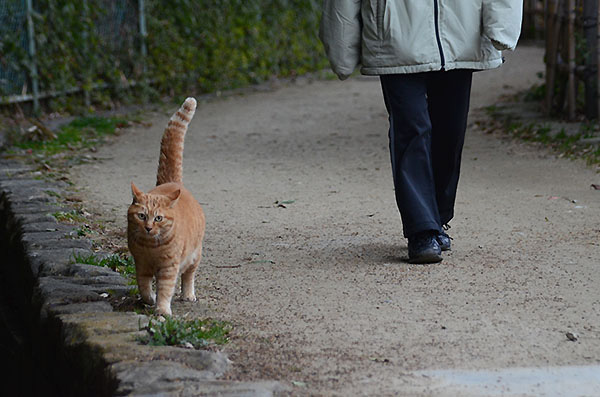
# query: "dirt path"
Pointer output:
{"type": "Point", "coordinates": [319, 291]}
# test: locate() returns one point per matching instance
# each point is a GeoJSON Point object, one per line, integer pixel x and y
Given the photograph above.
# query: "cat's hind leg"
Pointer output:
{"type": "Point", "coordinates": [187, 276]}
{"type": "Point", "coordinates": [187, 283]}
{"type": "Point", "coordinates": [166, 279]}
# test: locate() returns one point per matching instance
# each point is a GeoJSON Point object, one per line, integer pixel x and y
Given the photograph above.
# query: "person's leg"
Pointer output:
{"type": "Point", "coordinates": [448, 95]}
{"type": "Point", "coordinates": [410, 149]}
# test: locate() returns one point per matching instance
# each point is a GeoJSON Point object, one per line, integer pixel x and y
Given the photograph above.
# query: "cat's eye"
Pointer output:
{"type": "Point", "coordinates": [142, 216]}
{"type": "Point", "coordinates": [158, 218]}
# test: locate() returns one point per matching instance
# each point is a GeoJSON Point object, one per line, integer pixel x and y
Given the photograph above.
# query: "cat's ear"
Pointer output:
{"type": "Point", "coordinates": [174, 196]}
{"type": "Point", "coordinates": [137, 193]}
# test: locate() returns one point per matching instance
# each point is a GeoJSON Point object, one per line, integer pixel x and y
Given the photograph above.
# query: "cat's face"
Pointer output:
{"type": "Point", "coordinates": [151, 215]}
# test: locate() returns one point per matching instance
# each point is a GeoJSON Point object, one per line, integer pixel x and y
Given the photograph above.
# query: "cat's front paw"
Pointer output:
{"type": "Point", "coordinates": [189, 297]}
{"type": "Point", "coordinates": [163, 311]}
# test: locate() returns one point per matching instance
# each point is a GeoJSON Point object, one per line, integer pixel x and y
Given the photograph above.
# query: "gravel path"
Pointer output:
{"type": "Point", "coordinates": [317, 285]}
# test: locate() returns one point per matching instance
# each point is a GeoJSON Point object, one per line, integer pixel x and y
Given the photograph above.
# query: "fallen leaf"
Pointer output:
{"type": "Point", "coordinates": [595, 186]}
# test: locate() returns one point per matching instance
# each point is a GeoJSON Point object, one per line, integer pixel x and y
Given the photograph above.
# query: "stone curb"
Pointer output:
{"type": "Point", "coordinates": [84, 345]}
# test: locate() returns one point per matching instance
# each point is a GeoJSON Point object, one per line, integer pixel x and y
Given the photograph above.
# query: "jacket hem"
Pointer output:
{"type": "Point", "coordinates": [430, 67]}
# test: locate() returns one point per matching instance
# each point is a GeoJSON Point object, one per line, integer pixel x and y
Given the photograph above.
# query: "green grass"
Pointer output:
{"type": "Point", "coordinates": [568, 144]}
{"type": "Point", "coordinates": [176, 332]}
{"type": "Point", "coordinates": [119, 263]}
{"type": "Point", "coordinates": [52, 194]}
{"type": "Point", "coordinates": [69, 217]}
{"type": "Point", "coordinates": [84, 230]}
{"type": "Point", "coordinates": [536, 93]}
{"type": "Point", "coordinates": [83, 132]}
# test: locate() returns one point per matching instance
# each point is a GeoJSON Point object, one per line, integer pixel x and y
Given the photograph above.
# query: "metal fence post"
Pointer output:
{"type": "Point", "coordinates": [33, 74]}
{"type": "Point", "coordinates": [143, 49]}
{"type": "Point", "coordinates": [86, 83]}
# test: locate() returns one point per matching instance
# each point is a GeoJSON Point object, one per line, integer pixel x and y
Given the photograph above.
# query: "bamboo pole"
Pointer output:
{"type": "Point", "coordinates": [552, 34]}
{"type": "Point", "coordinates": [571, 88]}
{"type": "Point", "coordinates": [590, 23]}
{"type": "Point", "coordinates": [549, 59]}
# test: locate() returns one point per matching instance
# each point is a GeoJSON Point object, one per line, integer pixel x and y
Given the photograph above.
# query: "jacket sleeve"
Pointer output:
{"type": "Point", "coordinates": [502, 22]}
{"type": "Point", "coordinates": [340, 32]}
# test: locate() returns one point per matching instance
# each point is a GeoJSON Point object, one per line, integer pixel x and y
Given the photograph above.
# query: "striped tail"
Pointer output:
{"type": "Point", "coordinates": [170, 164]}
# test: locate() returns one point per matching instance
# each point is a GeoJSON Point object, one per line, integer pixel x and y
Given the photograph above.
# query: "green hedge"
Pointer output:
{"type": "Point", "coordinates": [214, 44]}
{"type": "Point", "coordinates": [192, 45]}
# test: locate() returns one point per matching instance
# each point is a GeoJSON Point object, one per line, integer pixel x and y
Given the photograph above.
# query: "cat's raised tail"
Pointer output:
{"type": "Point", "coordinates": [170, 163]}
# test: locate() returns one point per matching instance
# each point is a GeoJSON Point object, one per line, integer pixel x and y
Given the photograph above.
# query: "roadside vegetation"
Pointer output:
{"type": "Point", "coordinates": [190, 334]}
{"type": "Point", "coordinates": [69, 144]}
{"type": "Point", "coordinates": [122, 264]}
{"type": "Point", "coordinates": [186, 47]}
{"type": "Point", "coordinates": [522, 117]}
{"type": "Point", "coordinates": [81, 133]}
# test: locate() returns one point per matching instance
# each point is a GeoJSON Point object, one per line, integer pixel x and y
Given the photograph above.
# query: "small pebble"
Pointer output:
{"type": "Point", "coordinates": [572, 336]}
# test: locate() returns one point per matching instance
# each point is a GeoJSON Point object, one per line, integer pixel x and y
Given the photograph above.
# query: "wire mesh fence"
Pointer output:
{"type": "Point", "coordinates": [53, 48]}
{"type": "Point", "coordinates": [117, 26]}
{"type": "Point", "coordinates": [50, 49]}
{"type": "Point", "coordinates": [13, 32]}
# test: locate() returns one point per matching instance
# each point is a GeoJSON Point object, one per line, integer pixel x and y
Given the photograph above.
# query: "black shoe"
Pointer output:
{"type": "Point", "coordinates": [424, 248]}
{"type": "Point", "coordinates": [444, 241]}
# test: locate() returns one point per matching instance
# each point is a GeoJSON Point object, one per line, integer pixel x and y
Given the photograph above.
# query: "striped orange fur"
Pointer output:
{"type": "Point", "coordinates": [165, 227]}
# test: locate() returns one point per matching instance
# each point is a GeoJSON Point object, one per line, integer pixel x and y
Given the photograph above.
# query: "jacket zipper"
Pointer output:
{"type": "Point", "coordinates": [436, 15]}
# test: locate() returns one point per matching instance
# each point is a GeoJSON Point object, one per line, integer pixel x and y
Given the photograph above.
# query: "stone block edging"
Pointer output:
{"type": "Point", "coordinates": [83, 346]}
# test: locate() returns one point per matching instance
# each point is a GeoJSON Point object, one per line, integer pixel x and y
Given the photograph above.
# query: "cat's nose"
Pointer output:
{"type": "Point", "coordinates": [148, 229]}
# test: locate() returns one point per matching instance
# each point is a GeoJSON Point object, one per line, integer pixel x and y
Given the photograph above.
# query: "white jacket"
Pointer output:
{"type": "Point", "coordinates": [412, 36]}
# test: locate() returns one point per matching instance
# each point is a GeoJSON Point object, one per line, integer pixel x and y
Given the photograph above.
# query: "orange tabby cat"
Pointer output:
{"type": "Point", "coordinates": [165, 226]}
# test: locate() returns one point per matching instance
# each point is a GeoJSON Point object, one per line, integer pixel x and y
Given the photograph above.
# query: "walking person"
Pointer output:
{"type": "Point", "coordinates": [425, 52]}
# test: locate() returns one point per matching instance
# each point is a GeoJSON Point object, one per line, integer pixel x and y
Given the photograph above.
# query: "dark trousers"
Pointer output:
{"type": "Point", "coordinates": [428, 118]}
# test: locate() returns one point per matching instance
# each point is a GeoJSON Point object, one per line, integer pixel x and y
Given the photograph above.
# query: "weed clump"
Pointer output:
{"type": "Point", "coordinates": [177, 332]}
{"type": "Point", "coordinates": [119, 263]}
